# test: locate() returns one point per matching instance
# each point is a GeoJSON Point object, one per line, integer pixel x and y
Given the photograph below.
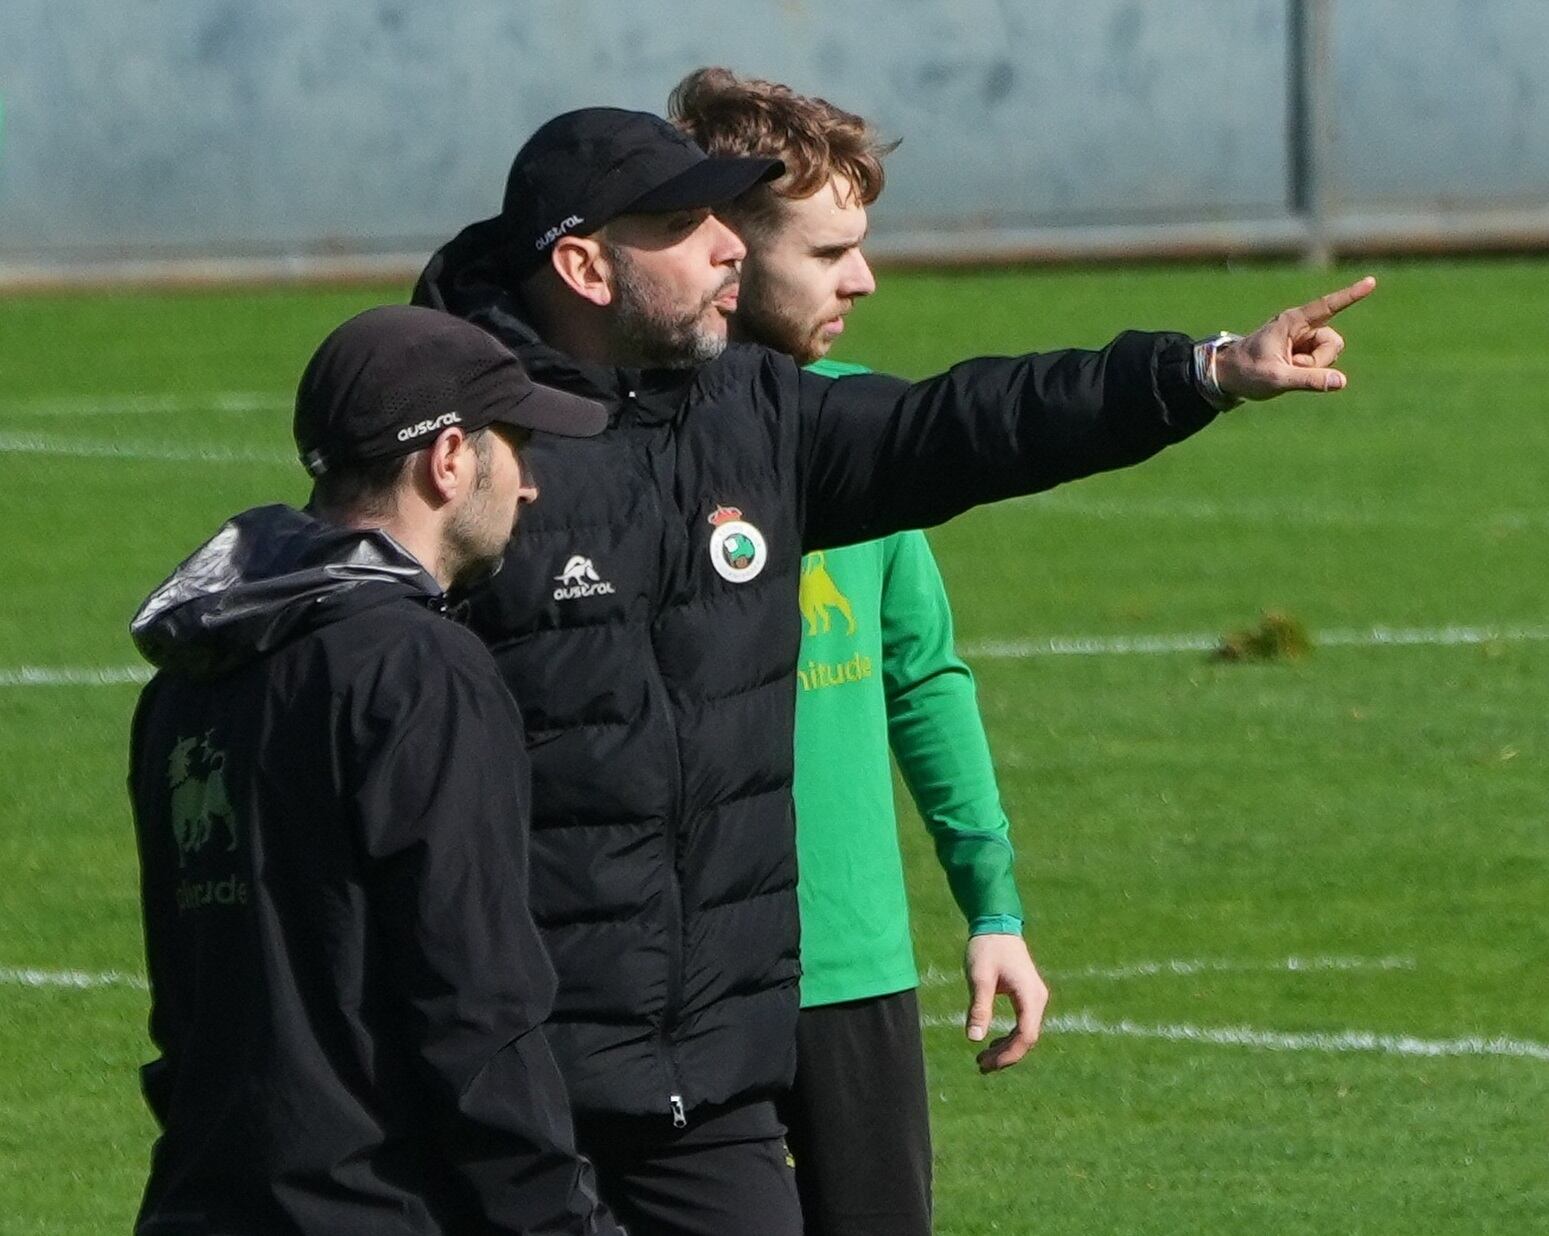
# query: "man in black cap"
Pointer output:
{"type": "Point", "coordinates": [606, 228]}
{"type": "Point", "coordinates": [332, 829]}
{"type": "Point", "coordinates": [651, 616]}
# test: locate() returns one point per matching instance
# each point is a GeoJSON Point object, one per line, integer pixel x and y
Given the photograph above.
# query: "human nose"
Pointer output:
{"type": "Point", "coordinates": [726, 246]}
{"type": "Point", "coordinates": [526, 483]}
{"type": "Point", "coordinates": [858, 280]}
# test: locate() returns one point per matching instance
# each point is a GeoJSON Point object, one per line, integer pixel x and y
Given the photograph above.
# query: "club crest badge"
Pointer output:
{"type": "Point", "coordinates": [737, 549]}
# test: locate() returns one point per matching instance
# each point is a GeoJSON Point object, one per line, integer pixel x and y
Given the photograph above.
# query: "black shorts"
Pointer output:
{"type": "Point", "coordinates": [859, 1119]}
{"type": "Point", "coordinates": [726, 1174]}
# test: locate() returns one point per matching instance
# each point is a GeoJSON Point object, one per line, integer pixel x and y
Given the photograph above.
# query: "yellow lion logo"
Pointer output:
{"type": "Point", "coordinates": [819, 594]}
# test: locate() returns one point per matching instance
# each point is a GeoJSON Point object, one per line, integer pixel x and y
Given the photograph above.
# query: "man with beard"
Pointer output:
{"type": "Point", "coordinates": [330, 799]}
{"type": "Point", "coordinates": [858, 1117]}
{"type": "Point", "coordinates": [651, 616]}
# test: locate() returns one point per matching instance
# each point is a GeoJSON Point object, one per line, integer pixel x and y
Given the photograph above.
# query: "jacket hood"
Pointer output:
{"type": "Point", "coordinates": [467, 278]}
{"type": "Point", "coordinates": [267, 577]}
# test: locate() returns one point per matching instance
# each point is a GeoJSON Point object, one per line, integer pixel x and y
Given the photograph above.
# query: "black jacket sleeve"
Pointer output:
{"type": "Point", "coordinates": [879, 455]}
{"type": "Point", "coordinates": [155, 894]}
{"type": "Point", "coordinates": [442, 805]}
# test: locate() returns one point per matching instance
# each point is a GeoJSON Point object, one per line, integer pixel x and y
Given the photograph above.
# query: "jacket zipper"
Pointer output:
{"type": "Point", "coordinates": [670, 839]}
{"type": "Point", "coordinates": [674, 915]}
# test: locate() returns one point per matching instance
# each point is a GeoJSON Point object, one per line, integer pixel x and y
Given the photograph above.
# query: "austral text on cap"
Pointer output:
{"type": "Point", "coordinates": [554, 233]}
{"type": "Point", "coordinates": [585, 168]}
{"type": "Point", "coordinates": [434, 426]}
{"type": "Point", "coordinates": [390, 379]}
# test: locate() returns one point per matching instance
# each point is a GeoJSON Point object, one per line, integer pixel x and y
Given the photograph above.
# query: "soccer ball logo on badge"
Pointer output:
{"type": "Point", "coordinates": [737, 549]}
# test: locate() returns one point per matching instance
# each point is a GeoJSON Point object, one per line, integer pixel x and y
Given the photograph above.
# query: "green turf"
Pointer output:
{"type": "Point", "coordinates": [1362, 803]}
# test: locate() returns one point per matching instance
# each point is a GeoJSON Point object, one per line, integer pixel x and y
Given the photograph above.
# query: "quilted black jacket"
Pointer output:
{"type": "Point", "coordinates": [647, 620]}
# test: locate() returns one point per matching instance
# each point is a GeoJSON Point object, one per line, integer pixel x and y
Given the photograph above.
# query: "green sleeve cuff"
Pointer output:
{"type": "Point", "coordinates": [981, 873]}
{"type": "Point", "coordinates": [996, 925]}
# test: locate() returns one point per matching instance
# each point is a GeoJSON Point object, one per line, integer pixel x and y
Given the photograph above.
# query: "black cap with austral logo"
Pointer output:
{"type": "Point", "coordinates": [585, 168]}
{"type": "Point", "coordinates": [390, 379]}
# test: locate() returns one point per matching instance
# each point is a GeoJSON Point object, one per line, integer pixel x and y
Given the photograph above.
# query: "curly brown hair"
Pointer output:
{"type": "Point", "coordinates": [731, 115]}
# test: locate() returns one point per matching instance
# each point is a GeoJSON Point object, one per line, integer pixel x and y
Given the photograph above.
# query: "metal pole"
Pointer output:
{"type": "Point", "coordinates": [1312, 123]}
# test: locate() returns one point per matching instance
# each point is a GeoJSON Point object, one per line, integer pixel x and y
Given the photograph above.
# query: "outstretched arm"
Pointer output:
{"type": "Point", "coordinates": [878, 454]}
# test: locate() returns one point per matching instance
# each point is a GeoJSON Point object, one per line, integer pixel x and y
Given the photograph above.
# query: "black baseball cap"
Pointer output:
{"type": "Point", "coordinates": [585, 168]}
{"type": "Point", "coordinates": [390, 379]}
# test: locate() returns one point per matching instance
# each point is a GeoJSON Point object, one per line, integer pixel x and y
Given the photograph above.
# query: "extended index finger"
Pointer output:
{"type": "Point", "coordinates": [1317, 312]}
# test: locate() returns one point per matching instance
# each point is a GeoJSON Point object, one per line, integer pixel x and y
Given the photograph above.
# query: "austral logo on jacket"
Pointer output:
{"type": "Point", "coordinates": [580, 579]}
{"type": "Point", "coordinates": [737, 549]}
{"type": "Point", "coordinates": [204, 825]}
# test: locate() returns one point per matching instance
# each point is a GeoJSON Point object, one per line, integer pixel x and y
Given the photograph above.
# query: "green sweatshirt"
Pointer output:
{"type": "Point", "coordinates": [878, 669]}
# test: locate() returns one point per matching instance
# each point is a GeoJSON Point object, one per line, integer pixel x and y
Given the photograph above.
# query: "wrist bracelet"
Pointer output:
{"type": "Point", "coordinates": [1206, 381]}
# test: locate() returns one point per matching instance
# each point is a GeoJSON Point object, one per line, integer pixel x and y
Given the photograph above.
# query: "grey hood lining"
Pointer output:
{"type": "Point", "coordinates": [268, 576]}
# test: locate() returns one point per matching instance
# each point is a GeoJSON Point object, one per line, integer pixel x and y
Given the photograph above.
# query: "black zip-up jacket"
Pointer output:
{"type": "Point", "coordinates": [333, 844]}
{"type": "Point", "coordinates": [656, 674]}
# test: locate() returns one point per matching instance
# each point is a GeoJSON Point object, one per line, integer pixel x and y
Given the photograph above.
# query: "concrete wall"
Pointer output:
{"type": "Point", "coordinates": [177, 127]}
{"type": "Point", "coordinates": [1441, 103]}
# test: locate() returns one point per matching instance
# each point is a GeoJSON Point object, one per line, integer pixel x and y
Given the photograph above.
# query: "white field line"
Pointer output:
{"type": "Point", "coordinates": [1292, 511]}
{"type": "Point", "coordinates": [1221, 965]}
{"type": "Point", "coordinates": [1275, 514]}
{"type": "Point", "coordinates": [84, 980]}
{"type": "Point", "coordinates": [68, 407]}
{"type": "Point", "coordinates": [1061, 1023]}
{"type": "Point", "coordinates": [931, 978]}
{"type": "Point", "coordinates": [1352, 637]}
{"type": "Point", "coordinates": [73, 676]}
{"type": "Point", "coordinates": [1316, 514]}
{"type": "Point", "coordinates": [935, 977]}
{"type": "Point", "coordinates": [168, 452]}
{"type": "Point", "coordinates": [1086, 646]}
{"type": "Point", "coordinates": [1326, 1042]}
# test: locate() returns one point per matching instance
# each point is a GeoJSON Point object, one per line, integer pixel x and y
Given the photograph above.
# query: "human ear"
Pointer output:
{"type": "Point", "coordinates": [583, 267]}
{"type": "Point", "coordinates": [447, 462]}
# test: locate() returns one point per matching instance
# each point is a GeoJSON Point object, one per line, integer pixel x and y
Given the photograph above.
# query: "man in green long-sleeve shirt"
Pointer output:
{"type": "Point", "coordinates": [877, 673]}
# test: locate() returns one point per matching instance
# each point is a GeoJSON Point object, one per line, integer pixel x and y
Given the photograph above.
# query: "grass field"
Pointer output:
{"type": "Point", "coordinates": [1186, 828]}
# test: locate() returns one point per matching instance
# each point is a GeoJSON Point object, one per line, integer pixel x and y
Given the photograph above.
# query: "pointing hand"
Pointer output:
{"type": "Point", "coordinates": [1294, 351]}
